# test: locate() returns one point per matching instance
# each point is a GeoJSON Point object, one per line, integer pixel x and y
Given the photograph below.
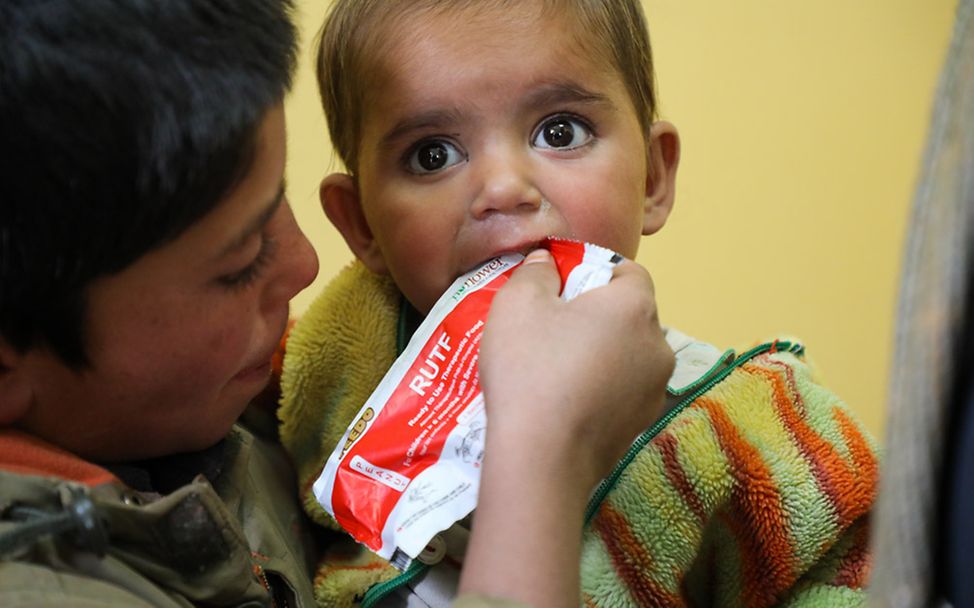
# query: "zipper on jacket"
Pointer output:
{"type": "Point", "coordinates": [380, 590]}
{"type": "Point", "coordinates": [609, 482]}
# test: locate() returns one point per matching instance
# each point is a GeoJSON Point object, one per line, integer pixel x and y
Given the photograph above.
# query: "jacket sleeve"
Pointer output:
{"type": "Point", "coordinates": [35, 586]}
{"type": "Point", "coordinates": [756, 493]}
{"type": "Point", "coordinates": [839, 577]}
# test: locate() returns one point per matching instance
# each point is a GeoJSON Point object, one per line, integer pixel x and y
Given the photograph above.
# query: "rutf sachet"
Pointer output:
{"type": "Point", "coordinates": [408, 466]}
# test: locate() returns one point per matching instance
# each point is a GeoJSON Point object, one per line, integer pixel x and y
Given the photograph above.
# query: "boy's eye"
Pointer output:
{"type": "Point", "coordinates": [431, 156]}
{"type": "Point", "coordinates": [251, 272]}
{"type": "Point", "coordinates": [562, 133]}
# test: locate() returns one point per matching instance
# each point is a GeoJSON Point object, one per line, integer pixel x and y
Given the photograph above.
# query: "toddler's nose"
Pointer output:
{"type": "Point", "coordinates": [506, 186]}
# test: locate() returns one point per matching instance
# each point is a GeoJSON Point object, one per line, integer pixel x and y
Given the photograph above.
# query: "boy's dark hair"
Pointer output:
{"type": "Point", "coordinates": [353, 33]}
{"type": "Point", "coordinates": [123, 122]}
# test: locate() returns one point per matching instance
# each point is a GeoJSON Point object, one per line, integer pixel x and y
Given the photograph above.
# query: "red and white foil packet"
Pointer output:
{"type": "Point", "coordinates": [409, 464]}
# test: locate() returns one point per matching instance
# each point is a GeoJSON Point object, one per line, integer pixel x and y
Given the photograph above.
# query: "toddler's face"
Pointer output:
{"type": "Point", "coordinates": [486, 132]}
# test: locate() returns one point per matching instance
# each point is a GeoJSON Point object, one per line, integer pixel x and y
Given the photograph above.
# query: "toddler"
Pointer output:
{"type": "Point", "coordinates": [470, 129]}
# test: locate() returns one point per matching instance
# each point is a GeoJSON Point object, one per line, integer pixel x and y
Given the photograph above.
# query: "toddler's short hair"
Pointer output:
{"type": "Point", "coordinates": [352, 33]}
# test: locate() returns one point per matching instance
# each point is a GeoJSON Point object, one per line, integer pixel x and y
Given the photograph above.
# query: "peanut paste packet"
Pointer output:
{"type": "Point", "coordinates": [409, 464]}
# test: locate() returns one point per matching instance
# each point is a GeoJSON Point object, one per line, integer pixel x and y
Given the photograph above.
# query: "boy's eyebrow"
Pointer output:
{"type": "Point", "coordinates": [424, 120]}
{"type": "Point", "coordinates": [257, 224]}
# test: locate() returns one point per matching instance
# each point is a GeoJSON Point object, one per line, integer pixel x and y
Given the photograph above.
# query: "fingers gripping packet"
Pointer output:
{"type": "Point", "coordinates": [409, 464]}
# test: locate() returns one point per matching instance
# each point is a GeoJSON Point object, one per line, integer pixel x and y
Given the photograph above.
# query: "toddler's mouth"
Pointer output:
{"type": "Point", "coordinates": [523, 248]}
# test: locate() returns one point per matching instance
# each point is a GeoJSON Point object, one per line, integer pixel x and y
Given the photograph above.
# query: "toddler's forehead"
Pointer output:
{"type": "Point", "coordinates": [398, 46]}
{"type": "Point", "coordinates": [393, 32]}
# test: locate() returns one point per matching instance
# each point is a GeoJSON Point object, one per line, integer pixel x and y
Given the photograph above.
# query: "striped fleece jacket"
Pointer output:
{"type": "Point", "coordinates": [753, 490]}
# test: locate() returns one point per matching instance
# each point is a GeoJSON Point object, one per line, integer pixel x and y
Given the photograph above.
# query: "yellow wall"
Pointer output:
{"type": "Point", "coordinates": [803, 124]}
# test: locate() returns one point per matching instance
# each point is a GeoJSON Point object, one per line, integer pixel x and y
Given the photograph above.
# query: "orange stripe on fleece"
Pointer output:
{"type": "Point", "coordinates": [848, 492]}
{"type": "Point", "coordinates": [762, 531]}
{"type": "Point", "coordinates": [863, 456]}
{"type": "Point", "coordinates": [631, 560]}
{"type": "Point", "coordinates": [855, 566]}
{"type": "Point", "coordinates": [27, 455]}
{"type": "Point", "coordinates": [667, 444]}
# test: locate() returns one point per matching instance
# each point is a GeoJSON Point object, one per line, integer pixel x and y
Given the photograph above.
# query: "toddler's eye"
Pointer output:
{"type": "Point", "coordinates": [431, 156]}
{"type": "Point", "coordinates": [562, 133]}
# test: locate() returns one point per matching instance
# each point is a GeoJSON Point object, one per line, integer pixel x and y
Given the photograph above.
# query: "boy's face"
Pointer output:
{"type": "Point", "coordinates": [486, 132]}
{"type": "Point", "coordinates": [181, 340]}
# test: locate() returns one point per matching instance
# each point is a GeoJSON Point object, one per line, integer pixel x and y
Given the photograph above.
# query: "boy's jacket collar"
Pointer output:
{"type": "Point", "coordinates": [28, 455]}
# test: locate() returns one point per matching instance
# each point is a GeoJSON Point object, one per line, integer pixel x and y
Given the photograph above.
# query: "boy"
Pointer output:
{"type": "Point", "coordinates": [147, 257]}
{"type": "Point", "coordinates": [143, 290]}
{"type": "Point", "coordinates": [472, 129]}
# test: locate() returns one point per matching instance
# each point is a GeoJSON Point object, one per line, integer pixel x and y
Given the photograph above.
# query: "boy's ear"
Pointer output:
{"type": "Point", "coordinates": [15, 389]}
{"type": "Point", "coordinates": [662, 158]}
{"type": "Point", "coordinates": [341, 203]}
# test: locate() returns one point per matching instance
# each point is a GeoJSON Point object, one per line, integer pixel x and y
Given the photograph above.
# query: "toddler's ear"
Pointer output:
{"type": "Point", "coordinates": [663, 158]}
{"type": "Point", "coordinates": [15, 389]}
{"type": "Point", "coordinates": [340, 201]}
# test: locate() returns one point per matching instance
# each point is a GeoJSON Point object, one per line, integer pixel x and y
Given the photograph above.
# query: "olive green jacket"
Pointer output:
{"type": "Point", "coordinates": [72, 534]}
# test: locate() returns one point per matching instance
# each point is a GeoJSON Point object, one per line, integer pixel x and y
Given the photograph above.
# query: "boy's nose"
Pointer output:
{"type": "Point", "coordinates": [505, 186]}
{"type": "Point", "coordinates": [296, 263]}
